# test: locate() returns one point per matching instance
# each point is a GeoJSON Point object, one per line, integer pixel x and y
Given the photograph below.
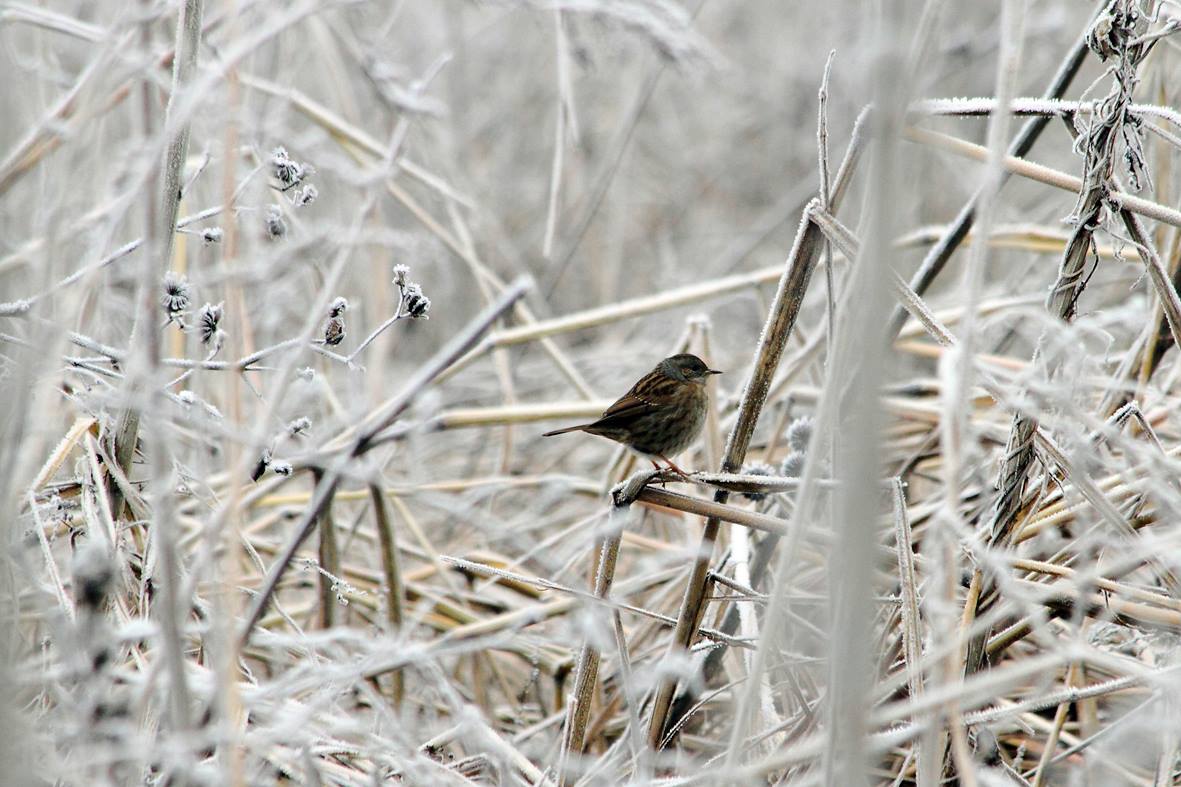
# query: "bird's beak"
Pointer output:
{"type": "Point", "coordinates": [712, 371]}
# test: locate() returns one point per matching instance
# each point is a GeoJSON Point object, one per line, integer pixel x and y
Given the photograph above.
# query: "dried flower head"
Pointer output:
{"type": "Point", "coordinates": [334, 331]}
{"type": "Point", "coordinates": [299, 426]}
{"type": "Point", "coordinates": [757, 468]}
{"type": "Point", "coordinates": [799, 433]}
{"type": "Point", "coordinates": [306, 196]}
{"type": "Point", "coordinates": [264, 461]}
{"type": "Point", "coordinates": [338, 307]}
{"type": "Point", "coordinates": [282, 468]}
{"type": "Point", "coordinates": [176, 297]}
{"type": "Point", "coordinates": [400, 274]}
{"type": "Point", "coordinates": [276, 226]}
{"type": "Point", "coordinates": [793, 465]}
{"type": "Point", "coordinates": [287, 171]}
{"type": "Point", "coordinates": [209, 325]}
{"type": "Point", "coordinates": [212, 235]}
{"type": "Point", "coordinates": [417, 304]}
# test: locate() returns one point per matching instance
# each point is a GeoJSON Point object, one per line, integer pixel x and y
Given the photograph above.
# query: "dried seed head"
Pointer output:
{"type": "Point", "coordinates": [209, 325]}
{"type": "Point", "coordinates": [176, 297]}
{"type": "Point", "coordinates": [276, 226]}
{"type": "Point", "coordinates": [282, 468]}
{"type": "Point", "coordinates": [299, 426]}
{"type": "Point", "coordinates": [757, 468]}
{"type": "Point", "coordinates": [417, 304]}
{"type": "Point", "coordinates": [264, 461]}
{"type": "Point", "coordinates": [793, 465]}
{"type": "Point", "coordinates": [285, 170]}
{"type": "Point", "coordinates": [338, 307]}
{"type": "Point", "coordinates": [799, 433]}
{"type": "Point", "coordinates": [400, 274]}
{"type": "Point", "coordinates": [1099, 38]}
{"type": "Point", "coordinates": [306, 196]}
{"type": "Point", "coordinates": [334, 332]}
{"type": "Point", "coordinates": [212, 235]}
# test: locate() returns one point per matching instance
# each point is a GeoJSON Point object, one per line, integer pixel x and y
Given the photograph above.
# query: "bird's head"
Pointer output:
{"type": "Point", "coordinates": [687, 368]}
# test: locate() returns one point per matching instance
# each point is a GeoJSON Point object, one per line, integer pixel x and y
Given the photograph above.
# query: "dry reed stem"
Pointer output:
{"type": "Point", "coordinates": [957, 232]}
{"type": "Point", "coordinates": [329, 556]}
{"type": "Point", "coordinates": [477, 648]}
{"type": "Point", "coordinates": [586, 679]}
{"type": "Point", "coordinates": [781, 318]}
{"type": "Point", "coordinates": [1044, 174]}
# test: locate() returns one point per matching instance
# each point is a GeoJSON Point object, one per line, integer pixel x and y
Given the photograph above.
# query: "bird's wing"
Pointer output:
{"type": "Point", "coordinates": [625, 408]}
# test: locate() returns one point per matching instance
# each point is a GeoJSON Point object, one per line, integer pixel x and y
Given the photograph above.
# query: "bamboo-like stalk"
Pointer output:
{"type": "Point", "coordinates": [588, 659]}
{"type": "Point", "coordinates": [393, 577]}
{"type": "Point", "coordinates": [780, 320]}
{"type": "Point", "coordinates": [329, 556]}
{"type": "Point", "coordinates": [1043, 174]}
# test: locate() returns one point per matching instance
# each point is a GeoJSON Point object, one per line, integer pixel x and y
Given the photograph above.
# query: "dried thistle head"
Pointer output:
{"type": "Point", "coordinates": [799, 433]}
{"type": "Point", "coordinates": [306, 195]}
{"type": "Point", "coordinates": [417, 304]}
{"type": "Point", "coordinates": [334, 331]}
{"type": "Point", "coordinates": [176, 297]}
{"type": "Point", "coordinates": [286, 170]}
{"type": "Point", "coordinates": [757, 468]}
{"type": "Point", "coordinates": [275, 225]}
{"type": "Point", "coordinates": [209, 325]}
{"type": "Point", "coordinates": [338, 307]}
{"type": "Point", "coordinates": [793, 465]}
{"type": "Point", "coordinates": [264, 461]}
{"type": "Point", "coordinates": [400, 274]}
{"type": "Point", "coordinates": [299, 426]}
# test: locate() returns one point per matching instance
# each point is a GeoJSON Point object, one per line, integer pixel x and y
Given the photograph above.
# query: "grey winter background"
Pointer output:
{"type": "Point", "coordinates": [276, 504]}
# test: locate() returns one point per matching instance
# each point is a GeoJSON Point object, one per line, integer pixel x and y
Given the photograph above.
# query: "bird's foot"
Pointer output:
{"type": "Point", "coordinates": [675, 469]}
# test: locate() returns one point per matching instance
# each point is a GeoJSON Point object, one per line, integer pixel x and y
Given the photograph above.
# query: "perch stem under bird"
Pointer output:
{"type": "Point", "coordinates": [661, 415]}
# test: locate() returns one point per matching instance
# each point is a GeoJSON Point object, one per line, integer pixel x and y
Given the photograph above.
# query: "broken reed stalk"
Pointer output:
{"type": "Point", "coordinates": [936, 258]}
{"type": "Point", "coordinates": [713, 509]}
{"type": "Point", "coordinates": [393, 577]}
{"type": "Point", "coordinates": [1100, 146]}
{"type": "Point", "coordinates": [781, 319]}
{"type": "Point", "coordinates": [574, 742]}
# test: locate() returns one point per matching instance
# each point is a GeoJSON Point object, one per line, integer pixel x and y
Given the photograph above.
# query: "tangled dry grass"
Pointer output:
{"type": "Point", "coordinates": [290, 291]}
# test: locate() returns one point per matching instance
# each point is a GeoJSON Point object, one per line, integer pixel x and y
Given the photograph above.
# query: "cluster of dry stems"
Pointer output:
{"type": "Point", "coordinates": [964, 568]}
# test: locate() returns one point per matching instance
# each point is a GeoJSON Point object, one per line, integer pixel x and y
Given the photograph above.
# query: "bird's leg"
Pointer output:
{"type": "Point", "coordinates": [659, 469]}
{"type": "Point", "coordinates": [673, 467]}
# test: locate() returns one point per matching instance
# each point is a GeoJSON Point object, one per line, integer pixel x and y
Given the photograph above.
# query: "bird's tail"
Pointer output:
{"type": "Point", "coordinates": [578, 428]}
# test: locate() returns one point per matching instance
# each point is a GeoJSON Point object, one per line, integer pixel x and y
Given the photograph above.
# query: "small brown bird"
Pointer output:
{"type": "Point", "coordinates": [661, 415]}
